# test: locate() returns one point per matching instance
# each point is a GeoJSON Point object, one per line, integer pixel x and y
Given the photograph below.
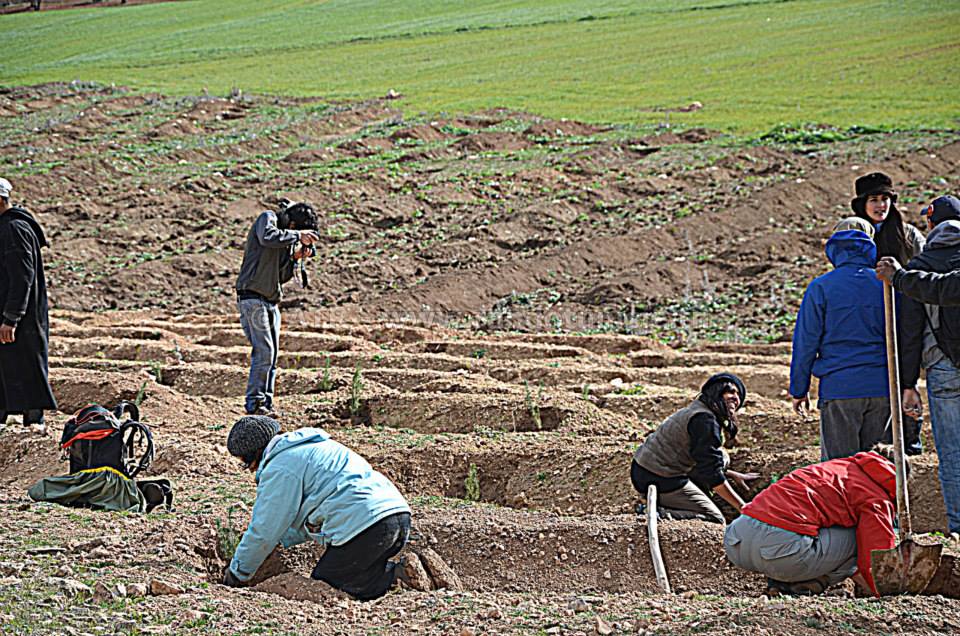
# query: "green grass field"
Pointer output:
{"type": "Point", "coordinates": [752, 64]}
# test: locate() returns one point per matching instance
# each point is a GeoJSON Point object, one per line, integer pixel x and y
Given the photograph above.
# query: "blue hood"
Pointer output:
{"type": "Point", "coordinates": [851, 247]}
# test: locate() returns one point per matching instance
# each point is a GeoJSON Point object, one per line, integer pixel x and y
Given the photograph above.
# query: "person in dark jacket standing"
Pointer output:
{"type": "Point", "coordinates": [926, 287]}
{"type": "Point", "coordinates": [25, 327]}
{"type": "Point", "coordinates": [684, 457]}
{"type": "Point", "coordinates": [818, 525]}
{"type": "Point", "coordinates": [275, 242]}
{"type": "Point", "coordinates": [929, 337]}
{"type": "Point", "coordinates": [840, 338]}
{"type": "Point", "coordinates": [876, 202]}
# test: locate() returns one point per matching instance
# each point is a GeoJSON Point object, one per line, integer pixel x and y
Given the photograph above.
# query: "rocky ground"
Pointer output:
{"type": "Point", "coordinates": [541, 426]}
{"type": "Point", "coordinates": [501, 308]}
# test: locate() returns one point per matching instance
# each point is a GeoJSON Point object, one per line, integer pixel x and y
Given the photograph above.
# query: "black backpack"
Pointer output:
{"type": "Point", "coordinates": [97, 438]}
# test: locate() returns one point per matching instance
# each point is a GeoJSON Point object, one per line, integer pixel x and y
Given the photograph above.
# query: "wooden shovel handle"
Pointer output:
{"type": "Point", "coordinates": [896, 412]}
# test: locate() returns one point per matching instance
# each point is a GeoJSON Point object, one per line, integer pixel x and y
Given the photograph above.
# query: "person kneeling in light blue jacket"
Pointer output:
{"type": "Point", "coordinates": [311, 487]}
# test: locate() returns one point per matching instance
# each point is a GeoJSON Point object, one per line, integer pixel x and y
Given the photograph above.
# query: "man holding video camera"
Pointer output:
{"type": "Point", "coordinates": [275, 242]}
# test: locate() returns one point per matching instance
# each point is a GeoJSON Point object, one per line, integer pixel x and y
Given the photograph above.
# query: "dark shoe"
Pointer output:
{"type": "Point", "coordinates": [775, 588]}
{"type": "Point", "coordinates": [262, 410]}
{"type": "Point", "coordinates": [813, 587]}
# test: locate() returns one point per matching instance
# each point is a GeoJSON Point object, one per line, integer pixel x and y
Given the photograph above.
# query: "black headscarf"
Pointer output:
{"type": "Point", "coordinates": [711, 394]}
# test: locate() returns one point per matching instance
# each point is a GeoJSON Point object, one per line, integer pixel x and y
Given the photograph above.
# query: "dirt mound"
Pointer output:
{"type": "Point", "coordinates": [299, 588]}
{"type": "Point", "coordinates": [562, 128]}
{"type": "Point", "coordinates": [491, 141]}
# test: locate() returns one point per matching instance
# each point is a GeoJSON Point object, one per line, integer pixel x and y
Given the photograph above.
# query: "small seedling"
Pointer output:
{"type": "Point", "coordinates": [472, 484]}
{"type": "Point", "coordinates": [533, 403]}
{"type": "Point", "coordinates": [156, 370]}
{"type": "Point", "coordinates": [228, 538]}
{"type": "Point", "coordinates": [585, 392]}
{"type": "Point", "coordinates": [356, 391]}
{"type": "Point", "coordinates": [141, 393]}
{"type": "Point", "coordinates": [326, 383]}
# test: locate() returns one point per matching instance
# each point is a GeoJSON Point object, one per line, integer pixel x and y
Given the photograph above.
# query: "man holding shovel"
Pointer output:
{"type": "Point", "coordinates": [930, 338]}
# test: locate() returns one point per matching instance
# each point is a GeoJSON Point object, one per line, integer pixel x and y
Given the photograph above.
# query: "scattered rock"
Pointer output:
{"type": "Point", "coordinates": [415, 575]}
{"type": "Point", "coordinates": [85, 546]}
{"type": "Point", "coordinates": [579, 605]}
{"type": "Point", "coordinates": [136, 590]}
{"type": "Point", "coordinates": [602, 627]}
{"type": "Point", "coordinates": [442, 574]}
{"type": "Point", "coordinates": [10, 569]}
{"type": "Point", "coordinates": [102, 593]}
{"type": "Point", "coordinates": [72, 588]}
{"type": "Point", "coordinates": [47, 549]}
{"type": "Point", "coordinates": [689, 595]}
{"type": "Point", "coordinates": [193, 616]}
{"type": "Point", "coordinates": [161, 588]}
{"type": "Point", "coordinates": [101, 552]}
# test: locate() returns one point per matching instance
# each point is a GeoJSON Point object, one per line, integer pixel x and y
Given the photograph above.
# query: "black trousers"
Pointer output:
{"type": "Point", "coordinates": [360, 566]}
{"type": "Point", "coordinates": [34, 416]}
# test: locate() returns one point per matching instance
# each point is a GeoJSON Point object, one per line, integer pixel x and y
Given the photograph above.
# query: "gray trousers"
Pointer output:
{"type": "Point", "coordinates": [851, 425]}
{"type": "Point", "coordinates": [790, 557]}
{"type": "Point", "coordinates": [689, 502]}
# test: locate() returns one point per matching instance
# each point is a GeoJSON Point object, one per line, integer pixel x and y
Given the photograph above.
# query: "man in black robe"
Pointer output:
{"type": "Point", "coordinates": [24, 326]}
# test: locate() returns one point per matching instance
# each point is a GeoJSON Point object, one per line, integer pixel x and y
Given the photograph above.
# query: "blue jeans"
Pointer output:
{"type": "Point", "coordinates": [261, 324]}
{"type": "Point", "coordinates": [943, 391]}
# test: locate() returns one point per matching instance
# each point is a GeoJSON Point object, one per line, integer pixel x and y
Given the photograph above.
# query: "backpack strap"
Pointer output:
{"type": "Point", "coordinates": [127, 407]}
{"type": "Point", "coordinates": [90, 435]}
{"type": "Point", "coordinates": [136, 434]}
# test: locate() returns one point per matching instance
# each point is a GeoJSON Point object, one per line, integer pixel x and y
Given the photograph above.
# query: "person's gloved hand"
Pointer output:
{"type": "Point", "coordinates": [230, 580]}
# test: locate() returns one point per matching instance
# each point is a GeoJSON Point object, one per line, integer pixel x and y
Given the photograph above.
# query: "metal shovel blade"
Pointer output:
{"type": "Point", "coordinates": [907, 568]}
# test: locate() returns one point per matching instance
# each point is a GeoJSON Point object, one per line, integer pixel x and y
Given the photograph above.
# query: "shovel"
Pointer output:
{"type": "Point", "coordinates": [910, 566]}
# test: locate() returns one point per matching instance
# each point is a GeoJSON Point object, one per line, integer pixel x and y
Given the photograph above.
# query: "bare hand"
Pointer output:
{"type": "Point", "coordinates": [887, 267]}
{"type": "Point", "coordinates": [309, 237]}
{"type": "Point", "coordinates": [912, 404]}
{"type": "Point", "coordinates": [301, 252]}
{"type": "Point", "coordinates": [8, 333]}
{"type": "Point", "coordinates": [742, 480]}
{"type": "Point", "coordinates": [802, 405]}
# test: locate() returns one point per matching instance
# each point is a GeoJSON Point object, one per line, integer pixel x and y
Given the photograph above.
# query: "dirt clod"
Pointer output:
{"type": "Point", "coordinates": [299, 588]}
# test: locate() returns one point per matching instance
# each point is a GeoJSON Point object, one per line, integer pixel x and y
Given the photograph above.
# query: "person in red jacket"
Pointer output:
{"type": "Point", "coordinates": [818, 525]}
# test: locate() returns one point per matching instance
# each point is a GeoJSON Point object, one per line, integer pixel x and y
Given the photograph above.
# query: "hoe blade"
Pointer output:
{"type": "Point", "coordinates": [907, 568]}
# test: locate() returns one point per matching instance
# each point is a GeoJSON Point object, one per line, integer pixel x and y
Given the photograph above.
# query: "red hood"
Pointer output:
{"type": "Point", "coordinates": [880, 470]}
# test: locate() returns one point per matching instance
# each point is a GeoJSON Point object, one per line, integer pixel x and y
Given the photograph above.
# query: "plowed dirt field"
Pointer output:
{"type": "Point", "coordinates": [671, 255]}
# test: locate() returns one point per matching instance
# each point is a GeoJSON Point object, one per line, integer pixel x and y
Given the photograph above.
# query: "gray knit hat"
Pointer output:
{"type": "Point", "coordinates": [250, 435]}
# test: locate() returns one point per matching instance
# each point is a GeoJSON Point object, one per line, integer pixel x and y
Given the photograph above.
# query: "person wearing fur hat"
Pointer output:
{"type": "Point", "coordinates": [839, 337]}
{"type": "Point", "coordinates": [876, 202]}
{"type": "Point", "coordinates": [684, 456]}
{"type": "Point", "coordinates": [311, 487]}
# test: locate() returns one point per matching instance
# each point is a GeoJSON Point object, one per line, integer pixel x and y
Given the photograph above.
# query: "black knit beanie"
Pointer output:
{"type": "Point", "coordinates": [250, 435]}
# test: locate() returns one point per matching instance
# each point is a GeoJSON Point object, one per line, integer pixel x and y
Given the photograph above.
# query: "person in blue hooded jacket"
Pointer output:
{"type": "Point", "coordinates": [311, 487]}
{"type": "Point", "coordinates": [840, 338]}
